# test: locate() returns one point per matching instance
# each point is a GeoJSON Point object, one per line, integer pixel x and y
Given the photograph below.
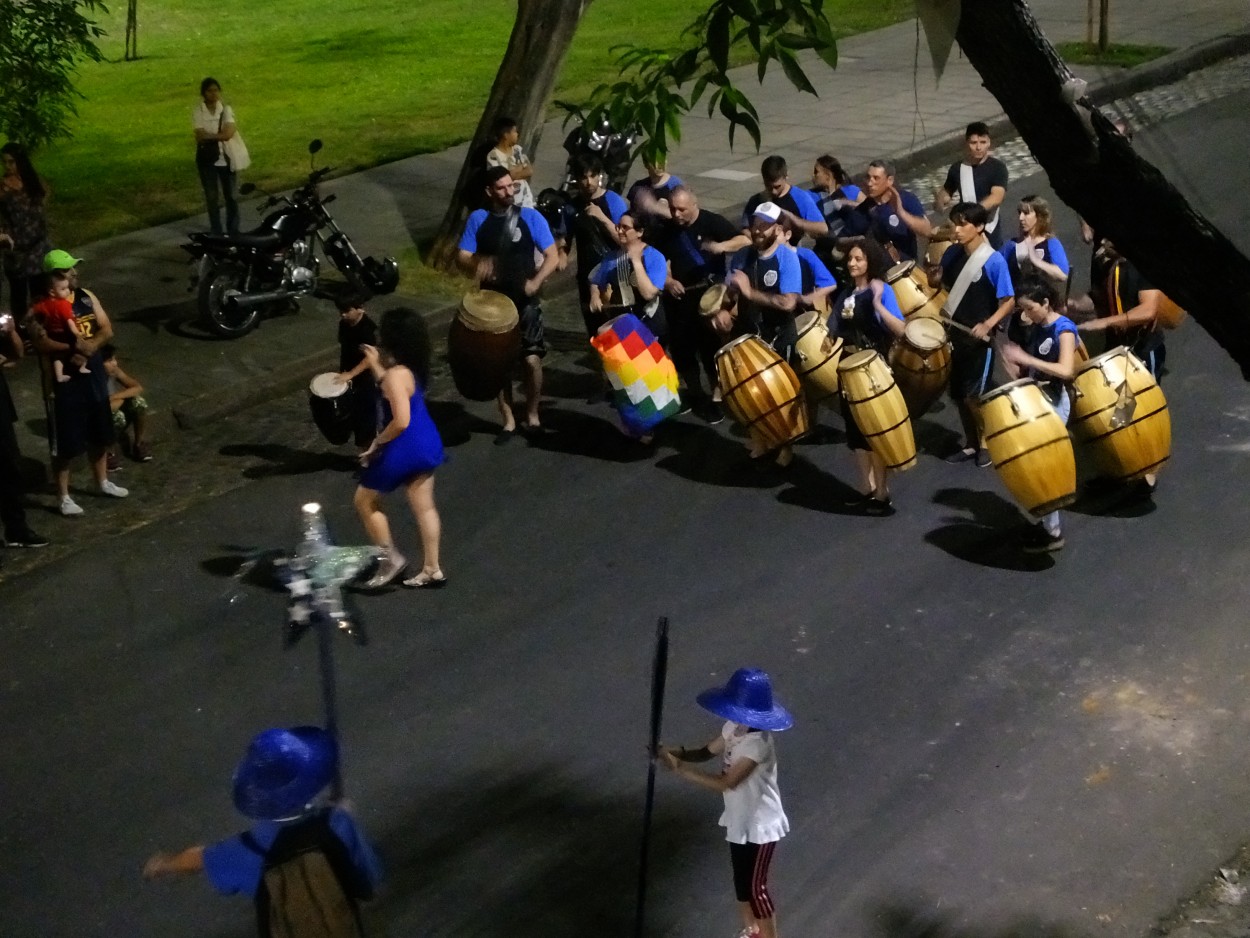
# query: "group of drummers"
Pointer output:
{"type": "Point", "coordinates": [864, 319]}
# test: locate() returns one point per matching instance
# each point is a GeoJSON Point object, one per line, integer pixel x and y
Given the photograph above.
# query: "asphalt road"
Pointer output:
{"type": "Point", "coordinates": [986, 740]}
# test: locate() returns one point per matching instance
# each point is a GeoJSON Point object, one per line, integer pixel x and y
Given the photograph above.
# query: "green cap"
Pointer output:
{"type": "Point", "coordinates": [60, 260]}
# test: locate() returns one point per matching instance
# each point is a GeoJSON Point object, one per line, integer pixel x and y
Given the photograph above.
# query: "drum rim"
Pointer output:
{"type": "Point", "coordinates": [904, 268]}
{"type": "Point", "coordinates": [845, 363]}
{"type": "Point", "coordinates": [734, 342]}
{"type": "Point", "coordinates": [1117, 352]}
{"type": "Point", "coordinates": [341, 388]}
{"type": "Point", "coordinates": [924, 321]}
{"type": "Point", "coordinates": [805, 322]}
{"type": "Point", "coordinates": [1008, 387]}
{"type": "Point", "coordinates": [717, 289]}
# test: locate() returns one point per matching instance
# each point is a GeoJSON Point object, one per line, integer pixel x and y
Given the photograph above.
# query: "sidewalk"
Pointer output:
{"type": "Point", "coordinates": [881, 100]}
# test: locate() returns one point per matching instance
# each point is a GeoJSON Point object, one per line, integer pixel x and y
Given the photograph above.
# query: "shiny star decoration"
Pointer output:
{"type": "Point", "coordinates": [315, 576]}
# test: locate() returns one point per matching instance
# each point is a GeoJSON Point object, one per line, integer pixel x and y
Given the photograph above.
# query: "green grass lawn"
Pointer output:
{"type": "Point", "coordinates": [376, 80]}
{"type": "Point", "coordinates": [1118, 55]}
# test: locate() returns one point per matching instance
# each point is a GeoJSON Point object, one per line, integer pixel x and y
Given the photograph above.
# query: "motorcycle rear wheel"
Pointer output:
{"type": "Point", "coordinates": [223, 320]}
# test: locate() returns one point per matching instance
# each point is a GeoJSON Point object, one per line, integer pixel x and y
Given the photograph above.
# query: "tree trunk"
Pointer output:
{"type": "Point", "coordinates": [132, 31]}
{"type": "Point", "coordinates": [1104, 26]}
{"type": "Point", "coordinates": [1095, 171]}
{"type": "Point", "coordinates": [541, 37]}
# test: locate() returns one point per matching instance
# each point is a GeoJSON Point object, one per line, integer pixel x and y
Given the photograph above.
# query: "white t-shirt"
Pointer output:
{"type": "Point", "coordinates": [213, 122]}
{"type": "Point", "coordinates": [522, 195]}
{"type": "Point", "coordinates": [753, 812]}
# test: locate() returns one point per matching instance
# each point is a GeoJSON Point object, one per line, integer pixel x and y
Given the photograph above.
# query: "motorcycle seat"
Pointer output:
{"type": "Point", "coordinates": [252, 239]}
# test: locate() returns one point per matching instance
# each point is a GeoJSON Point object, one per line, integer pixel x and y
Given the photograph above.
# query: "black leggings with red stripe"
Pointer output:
{"type": "Point", "coordinates": [750, 863]}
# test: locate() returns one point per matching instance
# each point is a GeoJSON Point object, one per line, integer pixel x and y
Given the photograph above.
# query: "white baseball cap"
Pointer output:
{"type": "Point", "coordinates": [769, 210]}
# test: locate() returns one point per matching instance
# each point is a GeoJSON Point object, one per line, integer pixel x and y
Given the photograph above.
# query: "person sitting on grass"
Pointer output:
{"type": "Point", "coordinates": [129, 407]}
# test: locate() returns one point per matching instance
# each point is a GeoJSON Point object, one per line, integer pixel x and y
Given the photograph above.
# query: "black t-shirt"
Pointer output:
{"type": "Point", "coordinates": [985, 176]}
{"type": "Point", "coordinates": [351, 338]}
{"type": "Point", "coordinates": [691, 265]}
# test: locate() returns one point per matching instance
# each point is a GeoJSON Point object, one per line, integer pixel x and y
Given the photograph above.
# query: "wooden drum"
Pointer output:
{"type": "Point", "coordinates": [1120, 413]}
{"type": "Point", "coordinates": [818, 354]}
{"type": "Point", "coordinates": [1030, 446]}
{"type": "Point", "coordinates": [941, 238]}
{"type": "Point", "coordinates": [921, 361]}
{"type": "Point", "coordinates": [761, 391]}
{"type": "Point", "coordinates": [483, 344]}
{"type": "Point", "coordinates": [911, 289]}
{"type": "Point", "coordinates": [878, 408]}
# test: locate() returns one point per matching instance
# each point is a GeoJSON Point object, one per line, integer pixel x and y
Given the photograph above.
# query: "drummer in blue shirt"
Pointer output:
{"type": "Point", "coordinates": [795, 203]}
{"type": "Point", "coordinates": [892, 216]}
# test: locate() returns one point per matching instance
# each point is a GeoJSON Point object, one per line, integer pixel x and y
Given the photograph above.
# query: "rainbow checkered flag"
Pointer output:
{"type": "Point", "coordinates": [642, 376]}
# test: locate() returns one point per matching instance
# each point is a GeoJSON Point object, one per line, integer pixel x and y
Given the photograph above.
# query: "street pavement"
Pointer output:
{"type": "Point", "coordinates": [986, 743]}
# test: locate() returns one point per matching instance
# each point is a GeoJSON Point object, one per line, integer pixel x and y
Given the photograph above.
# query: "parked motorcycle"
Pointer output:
{"type": "Point", "coordinates": [238, 276]}
{"type": "Point", "coordinates": [615, 148]}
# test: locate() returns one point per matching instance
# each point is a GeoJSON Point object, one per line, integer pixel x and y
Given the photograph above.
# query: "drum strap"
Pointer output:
{"type": "Point", "coordinates": [968, 192]}
{"type": "Point", "coordinates": [973, 267]}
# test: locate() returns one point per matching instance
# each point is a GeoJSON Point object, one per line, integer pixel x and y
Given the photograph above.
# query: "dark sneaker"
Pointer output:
{"type": "Point", "coordinates": [27, 538]}
{"type": "Point", "coordinates": [711, 413]}
{"type": "Point", "coordinates": [142, 452]}
{"type": "Point", "coordinates": [962, 455]}
{"type": "Point", "coordinates": [683, 407]}
{"type": "Point", "coordinates": [113, 461]}
{"type": "Point", "coordinates": [1040, 541]}
{"type": "Point", "coordinates": [983, 459]}
{"type": "Point", "coordinates": [879, 507]}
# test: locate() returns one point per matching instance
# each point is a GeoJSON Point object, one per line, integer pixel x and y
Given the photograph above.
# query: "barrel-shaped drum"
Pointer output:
{"type": "Point", "coordinates": [941, 238]}
{"type": "Point", "coordinates": [1029, 446]}
{"type": "Point", "coordinates": [1120, 414]}
{"type": "Point", "coordinates": [878, 408]}
{"type": "Point", "coordinates": [483, 344]}
{"type": "Point", "coordinates": [911, 288]}
{"type": "Point", "coordinates": [330, 401]}
{"type": "Point", "coordinates": [761, 391]}
{"type": "Point", "coordinates": [818, 354]}
{"type": "Point", "coordinates": [921, 361]}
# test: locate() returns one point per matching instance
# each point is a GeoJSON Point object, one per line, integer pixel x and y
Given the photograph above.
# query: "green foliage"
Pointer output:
{"type": "Point", "coordinates": [41, 44]}
{"type": "Point", "coordinates": [648, 94]}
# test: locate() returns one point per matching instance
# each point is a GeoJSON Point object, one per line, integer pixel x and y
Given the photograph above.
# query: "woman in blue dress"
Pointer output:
{"type": "Point", "coordinates": [405, 452]}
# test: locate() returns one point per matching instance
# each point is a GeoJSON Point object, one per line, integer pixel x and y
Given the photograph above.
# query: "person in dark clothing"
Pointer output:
{"type": "Point", "coordinates": [356, 330]}
{"type": "Point", "coordinates": [17, 532]}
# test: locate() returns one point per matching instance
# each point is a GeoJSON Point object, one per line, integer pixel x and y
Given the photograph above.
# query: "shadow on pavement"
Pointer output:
{"type": "Point", "coordinates": [456, 425]}
{"type": "Point", "coordinates": [990, 537]}
{"type": "Point", "coordinates": [817, 490]}
{"type": "Point", "coordinates": [705, 456]}
{"type": "Point", "coordinates": [174, 317]}
{"type": "Point", "coordinates": [249, 566]}
{"type": "Point", "coordinates": [599, 437]}
{"type": "Point", "coordinates": [918, 920]}
{"type": "Point", "coordinates": [1101, 498]}
{"type": "Point", "coordinates": [283, 460]}
{"type": "Point", "coordinates": [573, 868]}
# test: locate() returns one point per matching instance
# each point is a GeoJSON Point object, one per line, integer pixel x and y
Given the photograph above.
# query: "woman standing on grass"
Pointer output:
{"type": "Point", "coordinates": [213, 121]}
{"type": "Point", "coordinates": [406, 451]}
{"type": "Point", "coordinates": [23, 225]}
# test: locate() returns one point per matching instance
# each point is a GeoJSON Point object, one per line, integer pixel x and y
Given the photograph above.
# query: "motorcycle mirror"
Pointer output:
{"type": "Point", "coordinates": [314, 147]}
{"type": "Point", "coordinates": [247, 188]}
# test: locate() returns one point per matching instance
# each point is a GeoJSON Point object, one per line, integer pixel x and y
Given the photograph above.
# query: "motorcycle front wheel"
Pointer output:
{"type": "Point", "coordinates": [216, 288]}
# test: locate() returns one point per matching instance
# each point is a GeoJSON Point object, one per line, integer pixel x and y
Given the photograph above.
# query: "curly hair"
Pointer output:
{"type": "Point", "coordinates": [32, 185]}
{"type": "Point", "coordinates": [879, 261]}
{"type": "Point", "coordinates": [404, 334]}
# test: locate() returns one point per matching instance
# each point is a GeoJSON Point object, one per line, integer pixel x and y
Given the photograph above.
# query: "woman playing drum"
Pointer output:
{"type": "Point", "coordinates": [1035, 250]}
{"type": "Point", "coordinates": [1049, 357]}
{"type": "Point", "coordinates": [866, 315]}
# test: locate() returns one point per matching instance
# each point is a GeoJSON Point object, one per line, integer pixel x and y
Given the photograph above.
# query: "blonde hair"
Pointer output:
{"type": "Point", "coordinates": [1041, 208]}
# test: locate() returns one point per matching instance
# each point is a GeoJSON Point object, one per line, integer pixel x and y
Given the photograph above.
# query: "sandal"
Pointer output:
{"type": "Point", "coordinates": [390, 567]}
{"type": "Point", "coordinates": [423, 580]}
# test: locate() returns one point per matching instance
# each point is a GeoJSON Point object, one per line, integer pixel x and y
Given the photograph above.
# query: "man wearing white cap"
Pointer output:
{"type": "Point", "coordinates": [768, 279]}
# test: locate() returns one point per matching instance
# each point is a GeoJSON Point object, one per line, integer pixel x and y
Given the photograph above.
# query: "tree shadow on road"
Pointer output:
{"type": "Point", "coordinates": [527, 854]}
{"type": "Point", "coordinates": [990, 538]}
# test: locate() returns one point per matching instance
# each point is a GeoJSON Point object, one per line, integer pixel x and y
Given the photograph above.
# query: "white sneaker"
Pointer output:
{"type": "Point", "coordinates": [109, 487]}
{"type": "Point", "coordinates": [69, 507]}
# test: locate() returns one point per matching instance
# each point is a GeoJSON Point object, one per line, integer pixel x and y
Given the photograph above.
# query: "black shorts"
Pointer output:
{"type": "Point", "coordinates": [855, 438]}
{"type": "Point", "coordinates": [79, 418]}
{"type": "Point", "coordinates": [971, 364]}
{"type": "Point", "coordinates": [533, 335]}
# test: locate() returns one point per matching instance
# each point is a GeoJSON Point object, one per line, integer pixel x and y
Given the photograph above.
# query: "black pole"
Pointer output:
{"type": "Point", "coordinates": [659, 672]}
{"type": "Point", "coordinates": [329, 696]}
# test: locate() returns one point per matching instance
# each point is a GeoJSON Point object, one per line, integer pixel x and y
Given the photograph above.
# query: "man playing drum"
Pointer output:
{"type": "Point", "coordinates": [499, 249]}
{"type": "Point", "coordinates": [697, 244]}
{"type": "Point", "coordinates": [980, 296]}
{"type": "Point", "coordinates": [979, 178]}
{"type": "Point", "coordinates": [893, 216]}
{"type": "Point", "coordinates": [599, 210]}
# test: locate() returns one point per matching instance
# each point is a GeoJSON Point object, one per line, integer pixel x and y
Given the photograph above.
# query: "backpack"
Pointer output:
{"type": "Point", "coordinates": [309, 887]}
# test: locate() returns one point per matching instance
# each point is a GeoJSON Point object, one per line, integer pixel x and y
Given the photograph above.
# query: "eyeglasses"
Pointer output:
{"type": "Point", "coordinates": [626, 228]}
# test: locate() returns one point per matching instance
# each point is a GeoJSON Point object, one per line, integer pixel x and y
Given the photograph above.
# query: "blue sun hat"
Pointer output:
{"type": "Point", "coordinates": [747, 699]}
{"type": "Point", "coordinates": [283, 771]}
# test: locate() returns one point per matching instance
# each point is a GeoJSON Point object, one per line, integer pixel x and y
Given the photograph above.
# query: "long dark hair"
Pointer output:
{"type": "Point", "coordinates": [834, 168]}
{"type": "Point", "coordinates": [403, 333]}
{"type": "Point", "coordinates": [31, 183]}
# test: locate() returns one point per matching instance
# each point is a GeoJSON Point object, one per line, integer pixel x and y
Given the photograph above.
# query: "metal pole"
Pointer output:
{"type": "Point", "coordinates": [1104, 25]}
{"type": "Point", "coordinates": [329, 695]}
{"type": "Point", "coordinates": [1089, 22]}
{"type": "Point", "coordinates": [659, 671]}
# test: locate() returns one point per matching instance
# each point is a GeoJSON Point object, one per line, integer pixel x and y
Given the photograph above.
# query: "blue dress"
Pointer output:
{"type": "Point", "coordinates": [418, 449]}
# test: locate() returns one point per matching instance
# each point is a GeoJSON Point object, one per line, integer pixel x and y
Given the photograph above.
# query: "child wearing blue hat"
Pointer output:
{"type": "Point", "coordinates": [753, 817]}
{"type": "Point", "coordinates": [300, 863]}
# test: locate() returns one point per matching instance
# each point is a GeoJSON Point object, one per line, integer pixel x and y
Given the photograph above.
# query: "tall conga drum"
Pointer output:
{"type": "Point", "coordinates": [1120, 414]}
{"type": "Point", "coordinates": [483, 344]}
{"type": "Point", "coordinates": [641, 375]}
{"type": "Point", "coordinates": [912, 295]}
{"type": "Point", "coordinates": [818, 354]}
{"type": "Point", "coordinates": [878, 408]}
{"type": "Point", "coordinates": [330, 401]}
{"type": "Point", "coordinates": [761, 391]}
{"type": "Point", "coordinates": [921, 361]}
{"type": "Point", "coordinates": [941, 238]}
{"type": "Point", "coordinates": [1029, 446]}
{"type": "Point", "coordinates": [719, 307]}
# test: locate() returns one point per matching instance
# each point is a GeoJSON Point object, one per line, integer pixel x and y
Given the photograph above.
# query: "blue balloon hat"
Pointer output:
{"type": "Point", "coordinates": [747, 699]}
{"type": "Point", "coordinates": [283, 771]}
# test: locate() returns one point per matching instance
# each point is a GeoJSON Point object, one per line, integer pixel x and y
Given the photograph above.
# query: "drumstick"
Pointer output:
{"type": "Point", "coordinates": [961, 327]}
